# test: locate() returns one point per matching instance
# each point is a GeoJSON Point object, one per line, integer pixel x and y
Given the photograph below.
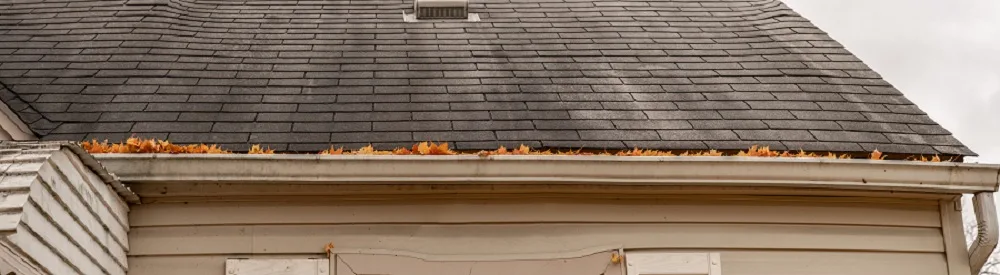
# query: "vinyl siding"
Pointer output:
{"type": "Point", "coordinates": [755, 234]}
{"type": "Point", "coordinates": [72, 222]}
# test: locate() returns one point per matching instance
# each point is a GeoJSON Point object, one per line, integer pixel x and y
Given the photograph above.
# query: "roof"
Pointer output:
{"type": "Point", "coordinates": [302, 75]}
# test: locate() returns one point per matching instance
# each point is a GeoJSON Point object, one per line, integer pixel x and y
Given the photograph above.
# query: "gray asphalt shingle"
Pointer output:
{"type": "Point", "coordinates": [604, 74]}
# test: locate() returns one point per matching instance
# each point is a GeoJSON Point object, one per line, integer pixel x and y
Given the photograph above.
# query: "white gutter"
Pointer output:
{"type": "Point", "coordinates": [942, 178]}
{"type": "Point", "coordinates": [986, 224]}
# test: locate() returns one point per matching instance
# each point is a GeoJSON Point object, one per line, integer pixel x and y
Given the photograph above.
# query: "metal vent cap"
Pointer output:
{"type": "Point", "coordinates": [441, 9]}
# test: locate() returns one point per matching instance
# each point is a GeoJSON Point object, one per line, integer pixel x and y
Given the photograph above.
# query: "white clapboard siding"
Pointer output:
{"type": "Point", "coordinates": [12, 260]}
{"type": "Point", "coordinates": [80, 198]}
{"type": "Point", "coordinates": [112, 259]}
{"type": "Point", "coordinates": [106, 198]}
{"type": "Point", "coordinates": [11, 205]}
{"type": "Point", "coordinates": [27, 241]}
{"type": "Point", "coordinates": [66, 223]}
{"type": "Point", "coordinates": [59, 241]}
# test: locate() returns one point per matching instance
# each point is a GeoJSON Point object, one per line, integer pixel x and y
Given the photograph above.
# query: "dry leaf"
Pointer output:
{"type": "Point", "coordinates": [423, 148]}
{"type": "Point", "coordinates": [876, 155]}
{"type": "Point", "coordinates": [332, 151]}
{"type": "Point", "coordinates": [328, 248]}
{"type": "Point", "coordinates": [140, 145]}
{"type": "Point", "coordinates": [522, 150]}
{"type": "Point", "coordinates": [616, 258]}
{"type": "Point", "coordinates": [257, 150]}
{"type": "Point", "coordinates": [402, 151]}
{"type": "Point", "coordinates": [367, 150]}
{"type": "Point", "coordinates": [441, 149]}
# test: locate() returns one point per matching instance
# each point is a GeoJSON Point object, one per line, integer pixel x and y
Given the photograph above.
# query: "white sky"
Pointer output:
{"type": "Point", "coordinates": [943, 55]}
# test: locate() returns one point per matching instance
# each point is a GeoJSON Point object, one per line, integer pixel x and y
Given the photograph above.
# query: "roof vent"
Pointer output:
{"type": "Point", "coordinates": [441, 9]}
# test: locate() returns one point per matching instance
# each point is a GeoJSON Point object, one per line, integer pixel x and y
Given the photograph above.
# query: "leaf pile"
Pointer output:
{"type": "Point", "coordinates": [257, 150]}
{"type": "Point", "coordinates": [153, 146]}
{"type": "Point", "coordinates": [145, 146]}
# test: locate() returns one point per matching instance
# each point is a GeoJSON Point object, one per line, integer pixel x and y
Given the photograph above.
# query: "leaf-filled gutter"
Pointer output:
{"type": "Point", "coordinates": [136, 145]}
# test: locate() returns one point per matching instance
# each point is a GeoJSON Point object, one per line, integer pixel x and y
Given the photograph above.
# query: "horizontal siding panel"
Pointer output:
{"type": "Point", "coordinates": [525, 238]}
{"type": "Point", "coordinates": [106, 197]}
{"type": "Point", "coordinates": [63, 245]}
{"type": "Point", "coordinates": [832, 263]}
{"type": "Point", "coordinates": [597, 263]}
{"type": "Point", "coordinates": [84, 202]}
{"type": "Point", "coordinates": [107, 254]}
{"type": "Point", "coordinates": [32, 246]}
{"type": "Point", "coordinates": [196, 264]}
{"type": "Point", "coordinates": [10, 209]}
{"type": "Point", "coordinates": [176, 214]}
{"type": "Point", "coordinates": [733, 263]}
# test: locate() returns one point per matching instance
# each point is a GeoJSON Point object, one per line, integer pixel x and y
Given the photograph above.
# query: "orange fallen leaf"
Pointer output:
{"type": "Point", "coordinates": [367, 150]}
{"type": "Point", "coordinates": [876, 155]}
{"type": "Point", "coordinates": [423, 148]}
{"type": "Point", "coordinates": [328, 248]}
{"type": "Point", "coordinates": [258, 150]}
{"type": "Point", "coordinates": [332, 151]}
{"type": "Point", "coordinates": [141, 145]}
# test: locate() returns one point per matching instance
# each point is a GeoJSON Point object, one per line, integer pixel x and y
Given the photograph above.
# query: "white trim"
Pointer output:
{"type": "Point", "coordinates": [953, 233]}
{"type": "Point", "coordinates": [13, 260]}
{"type": "Point", "coordinates": [948, 178]}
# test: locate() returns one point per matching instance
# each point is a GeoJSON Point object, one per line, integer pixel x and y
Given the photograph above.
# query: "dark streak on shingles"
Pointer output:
{"type": "Point", "coordinates": [596, 73]}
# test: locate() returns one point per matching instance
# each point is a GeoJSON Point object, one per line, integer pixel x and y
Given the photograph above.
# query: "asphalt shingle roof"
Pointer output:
{"type": "Point", "coordinates": [301, 75]}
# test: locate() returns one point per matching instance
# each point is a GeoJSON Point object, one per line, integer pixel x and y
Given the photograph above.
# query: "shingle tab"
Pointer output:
{"type": "Point", "coordinates": [669, 74]}
{"type": "Point", "coordinates": [697, 135]}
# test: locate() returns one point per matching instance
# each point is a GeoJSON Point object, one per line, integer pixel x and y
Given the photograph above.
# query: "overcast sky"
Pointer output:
{"type": "Point", "coordinates": [943, 55]}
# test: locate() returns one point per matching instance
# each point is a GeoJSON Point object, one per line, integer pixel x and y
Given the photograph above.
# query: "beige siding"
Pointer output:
{"type": "Point", "coordinates": [71, 222]}
{"type": "Point", "coordinates": [756, 235]}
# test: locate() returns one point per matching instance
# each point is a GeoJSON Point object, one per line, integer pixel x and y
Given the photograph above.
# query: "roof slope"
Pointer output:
{"type": "Point", "coordinates": [300, 75]}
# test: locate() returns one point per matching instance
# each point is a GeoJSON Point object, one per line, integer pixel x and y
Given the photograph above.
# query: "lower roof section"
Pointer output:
{"type": "Point", "coordinates": [172, 172]}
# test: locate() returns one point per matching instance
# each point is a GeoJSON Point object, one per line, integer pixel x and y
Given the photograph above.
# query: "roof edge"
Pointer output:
{"type": "Point", "coordinates": [12, 126]}
{"type": "Point", "coordinates": [86, 158]}
{"type": "Point", "coordinates": [865, 175]}
{"type": "Point", "coordinates": [11, 121]}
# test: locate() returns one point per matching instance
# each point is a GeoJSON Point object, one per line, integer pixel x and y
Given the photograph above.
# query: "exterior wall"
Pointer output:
{"type": "Point", "coordinates": [766, 235]}
{"type": "Point", "coordinates": [71, 222]}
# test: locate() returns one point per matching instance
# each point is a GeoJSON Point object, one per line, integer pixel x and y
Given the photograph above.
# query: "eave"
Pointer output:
{"type": "Point", "coordinates": [676, 172]}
